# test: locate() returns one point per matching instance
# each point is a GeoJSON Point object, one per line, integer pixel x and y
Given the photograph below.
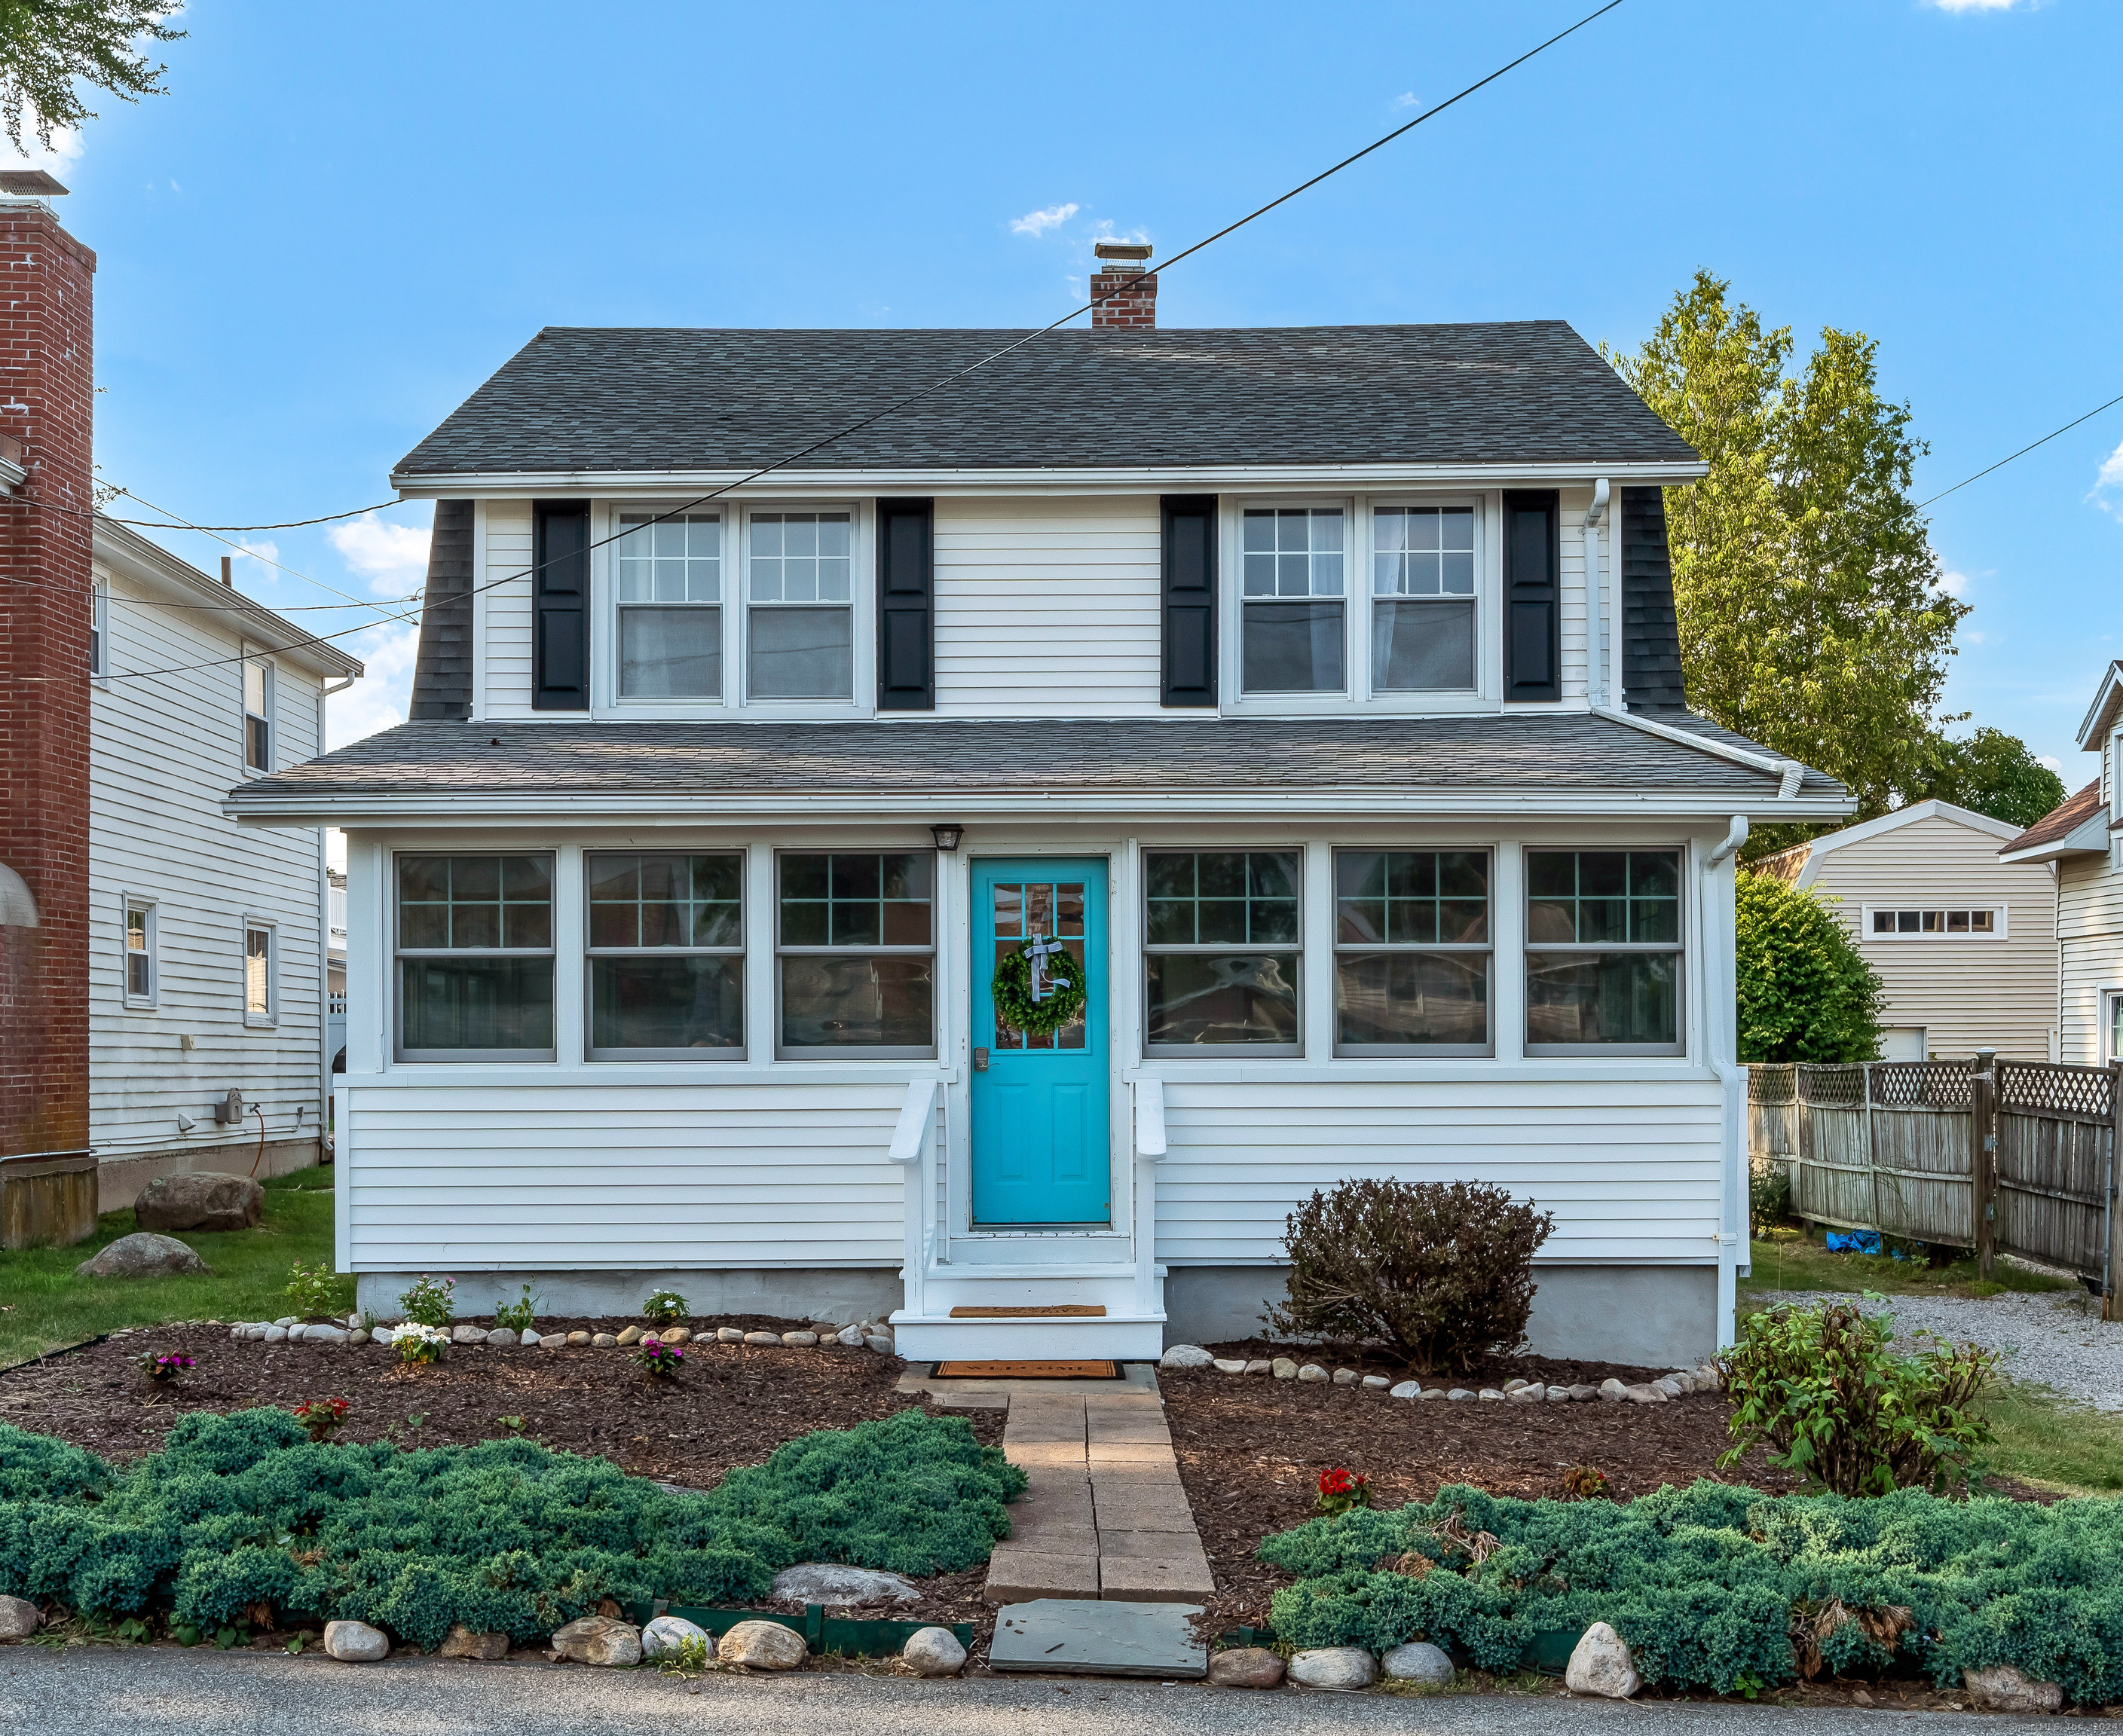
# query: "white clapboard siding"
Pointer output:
{"type": "Point", "coordinates": [2090, 929]}
{"type": "Point", "coordinates": [1966, 994]}
{"type": "Point", "coordinates": [588, 1177]}
{"type": "Point", "coordinates": [1048, 607]}
{"type": "Point", "coordinates": [507, 605]}
{"type": "Point", "coordinates": [1629, 1167]}
{"type": "Point", "coordinates": [1570, 585]}
{"type": "Point", "coordinates": [164, 751]}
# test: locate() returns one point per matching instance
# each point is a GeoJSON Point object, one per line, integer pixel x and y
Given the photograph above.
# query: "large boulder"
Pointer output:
{"type": "Point", "coordinates": [762, 1646]}
{"type": "Point", "coordinates": [355, 1642]}
{"type": "Point", "coordinates": [1601, 1664]}
{"type": "Point", "coordinates": [1418, 1661]}
{"type": "Point", "coordinates": [1245, 1666]}
{"type": "Point", "coordinates": [668, 1635]}
{"type": "Point", "coordinates": [1344, 1667]}
{"type": "Point", "coordinates": [934, 1651]}
{"type": "Point", "coordinates": [144, 1255]}
{"type": "Point", "coordinates": [836, 1586]}
{"type": "Point", "coordinates": [600, 1639]}
{"type": "Point", "coordinates": [19, 1618]}
{"type": "Point", "coordinates": [201, 1199]}
{"type": "Point", "coordinates": [2003, 1688]}
{"type": "Point", "coordinates": [1185, 1356]}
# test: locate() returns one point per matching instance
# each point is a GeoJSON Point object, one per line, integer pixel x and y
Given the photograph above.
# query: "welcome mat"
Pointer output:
{"type": "Point", "coordinates": [1091, 1370]}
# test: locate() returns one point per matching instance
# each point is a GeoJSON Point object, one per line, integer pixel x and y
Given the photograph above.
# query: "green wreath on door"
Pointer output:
{"type": "Point", "coordinates": [1012, 989]}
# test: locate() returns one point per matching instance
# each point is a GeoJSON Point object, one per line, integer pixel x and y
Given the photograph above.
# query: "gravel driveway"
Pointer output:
{"type": "Point", "coordinates": [2056, 1340]}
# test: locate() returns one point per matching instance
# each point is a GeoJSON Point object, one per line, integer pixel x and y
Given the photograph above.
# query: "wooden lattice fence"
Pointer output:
{"type": "Point", "coordinates": [2010, 1156]}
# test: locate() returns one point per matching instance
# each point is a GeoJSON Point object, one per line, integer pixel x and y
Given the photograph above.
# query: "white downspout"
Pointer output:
{"type": "Point", "coordinates": [1595, 656]}
{"type": "Point", "coordinates": [1736, 834]}
{"type": "Point", "coordinates": [1721, 1034]}
{"type": "Point", "coordinates": [326, 1130]}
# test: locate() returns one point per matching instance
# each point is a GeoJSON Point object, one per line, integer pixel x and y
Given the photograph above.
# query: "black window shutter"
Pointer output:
{"type": "Point", "coordinates": [905, 605]}
{"type": "Point", "coordinates": [560, 606]}
{"type": "Point", "coordinates": [1189, 674]}
{"type": "Point", "coordinates": [1532, 600]}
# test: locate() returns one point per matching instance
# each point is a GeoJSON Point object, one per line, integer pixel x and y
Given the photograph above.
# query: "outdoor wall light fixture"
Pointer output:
{"type": "Point", "coordinates": [947, 837]}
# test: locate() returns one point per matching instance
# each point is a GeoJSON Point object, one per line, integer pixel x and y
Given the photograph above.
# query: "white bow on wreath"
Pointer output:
{"type": "Point", "coordinates": [1039, 952]}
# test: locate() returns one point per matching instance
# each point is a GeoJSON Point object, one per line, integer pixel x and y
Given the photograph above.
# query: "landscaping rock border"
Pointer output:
{"type": "Point", "coordinates": [1667, 1387]}
{"type": "Point", "coordinates": [875, 1336]}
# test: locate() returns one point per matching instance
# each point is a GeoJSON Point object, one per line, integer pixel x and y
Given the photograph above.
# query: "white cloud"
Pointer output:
{"type": "Point", "coordinates": [65, 150]}
{"type": "Point", "coordinates": [2050, 760]}
{"type": "Point", "coordinates": [1406, 100]}
{"type": "Point", "coordinates": [393, 557]}
{"type": "Point", "coordinates": [1974, 638]}
{"type": "Point", "coordinates": [1104, 230]}
{"type": "Point", "coordinates": [1036, 224]}
{"type": "Point", "coordinates": [1975, 6]}
{"type": "Point", "coordinates": [2111, 470]}
{"type": "Point", "coordinates": [378, 700]}
{"type": "Point", "coordinates": [264, 551]}
{"type": "Point", "coordinates": [1953, 584]}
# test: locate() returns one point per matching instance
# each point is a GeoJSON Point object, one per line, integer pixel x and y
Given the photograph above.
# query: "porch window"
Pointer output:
{"type": "Point", "coordinates": [666, 955]}
{"type": "Point", "coordinates": [1412, 951]}
{"type": "Point", "coordinates": [1422, 590]}
{"type": "Point", "coordinates": [1222, 945]}
{"type": "Point", "coordinates": [475, 950]}
{"type": "Point", "coordinates": [670, 591]}
{"type": "Point", "coordinates": [1603, 952]}
{"type": "Point", "coordinates": [855, 949]}
{"type": "Point", "coordinates": [1291, 636]}
{"type": "Point", "coordinates": [802, 616]}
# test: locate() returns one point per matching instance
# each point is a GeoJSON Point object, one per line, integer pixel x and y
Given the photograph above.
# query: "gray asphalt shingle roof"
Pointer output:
{"type": "Point", "coordinates": [1564, 754]}
{"type": "Point", "coordinates": [592, 399]}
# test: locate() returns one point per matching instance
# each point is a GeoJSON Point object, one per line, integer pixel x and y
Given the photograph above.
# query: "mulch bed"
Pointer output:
{"type": "Point", "coordinates": [1251, 1449]}
{"type": "Point", "coordinates": [733, 1405]}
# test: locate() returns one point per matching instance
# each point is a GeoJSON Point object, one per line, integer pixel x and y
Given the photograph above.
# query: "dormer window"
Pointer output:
{"type": "Point", "coordinates": [802, 615]}
{"type": "Point", "coordinates": [1291, 632]}
{"type": "Point", "coordinates": [1423, 587]}
{"type": "Point", "coordinates": [670, 606]}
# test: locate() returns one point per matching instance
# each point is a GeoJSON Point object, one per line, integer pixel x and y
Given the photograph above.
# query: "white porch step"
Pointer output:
{"type": "Point", "coordinates": [1127, 1337]}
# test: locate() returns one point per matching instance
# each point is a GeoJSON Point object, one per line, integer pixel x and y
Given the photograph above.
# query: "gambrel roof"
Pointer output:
{"type": "Point", "coordinates": [606, 401]}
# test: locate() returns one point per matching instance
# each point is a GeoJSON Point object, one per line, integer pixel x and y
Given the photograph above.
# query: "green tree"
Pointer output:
{"type": "Point", "coordinates": [1811, 617]}
{"type": "Point", "coordinates": [1805, 994]}
{"type": "Point", "coordinates": [1993, 773]}
{"type": "Point", "coordinates": [46, 44]}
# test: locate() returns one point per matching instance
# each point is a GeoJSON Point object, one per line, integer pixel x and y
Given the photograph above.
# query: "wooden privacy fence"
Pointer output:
{"type": "Point", "coordinates": [2017, 1157]}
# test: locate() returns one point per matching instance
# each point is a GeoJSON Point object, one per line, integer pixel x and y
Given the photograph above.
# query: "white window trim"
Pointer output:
{"type": "Point", "coordinates": [1146, 949]}
{"type": "Point", "coordinates": [1339, 947]}
{"type": "Point", "coordinates": [1685, 947]}
{"type": "Point", "coordinates": [271, 929]}
{"type": "Point", "coordinates": [394, 959]}
{"type": "Point", "coordinates": [128, 904]}
{"type": "Point", "coordinates": [2110, 996]}
{"type": "Point", "coordinates": [606, 701]}
{"type": "Point", "coordinates": [99, 615]}
{"type": "Point", "coordinates": [268, 717]}
{"type": "Point", "coordinates": [1999, 911]}
{"type": "Point", "coordinates": [939, 1000]}
{"type": "Point", "coordinates": [1357, 599]}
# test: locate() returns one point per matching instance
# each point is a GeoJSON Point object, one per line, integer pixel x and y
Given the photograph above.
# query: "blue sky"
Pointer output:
{"type": "Point", "coordinates": [341, 220]}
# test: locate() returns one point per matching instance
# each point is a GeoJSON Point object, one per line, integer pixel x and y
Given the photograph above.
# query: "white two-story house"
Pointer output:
{"type": "Point", "coordinates": [1317, 689]}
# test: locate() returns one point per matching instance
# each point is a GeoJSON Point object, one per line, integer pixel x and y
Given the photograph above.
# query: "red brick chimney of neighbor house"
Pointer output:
{"type": "Point", "coordinates": [47, 387]}
{"type": "Point", "coordinates": [1132, 286]}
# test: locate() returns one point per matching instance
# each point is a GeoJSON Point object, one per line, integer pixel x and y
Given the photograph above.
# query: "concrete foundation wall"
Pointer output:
{"type": "Point", "coordinates": [120, 1180]}
{"type": "Point", "coordinates": [840, 1294]}
{"type": "Point", "coordinates": [1653, 1316]}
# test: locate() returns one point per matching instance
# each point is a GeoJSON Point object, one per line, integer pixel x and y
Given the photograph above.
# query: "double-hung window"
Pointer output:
{"type": "Point", "coordinates": [856, 941]}
{"type": "Point", "coordinates": [1422, 599]}
{"type": "Point", "coordinates": [800, 621]}
{"type": "Point", "coordinates": [1603, 952]}
{"type": "Point", "coordinates": [1412, 948]}
{"type": "Point", "coordinates": [140, 970]}
{"type": "Point", "coordinates": [99, 628]}
{"type": "Point", "coordinates": [666, 955]}
{"type": "Point", "coordinates": [257, 715]}
{"type": "Point", "coordinates": [670, 593]}
{"type": "Point", "coordinates": [260, 987]}
{"type": "Point", "coordinates": [474, 949]}
{"type": "Point", "coordinates": [1292, 631]}
{"type": "Point", "coordinates": [1223, 943]}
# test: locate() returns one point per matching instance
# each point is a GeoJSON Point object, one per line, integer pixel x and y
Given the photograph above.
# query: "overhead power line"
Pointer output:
{"type": "Point", "coordinates": [2023, 451]}
{"type": "Point", "coordinates": [951, 379]}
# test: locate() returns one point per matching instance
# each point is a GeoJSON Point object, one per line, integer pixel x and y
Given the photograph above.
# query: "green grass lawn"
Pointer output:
{"type": "Point", "coordinates": [1789, 1260]}
{"type": "Point", "coordinates": [44, 1306]}
{"type": "Point", "coordinates": [2051, 1444]}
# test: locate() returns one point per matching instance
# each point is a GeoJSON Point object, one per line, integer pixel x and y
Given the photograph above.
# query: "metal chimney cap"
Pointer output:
{"type": "Point", "coordinates": [31, 183]}
{"type": "Point", "coordinates": [1121, 250]}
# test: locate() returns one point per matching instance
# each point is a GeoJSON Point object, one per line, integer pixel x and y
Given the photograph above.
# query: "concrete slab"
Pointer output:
{"type": "Point", "coordinates": [1143, 1546]}
{"type": "Point", "coordinates": [1137, 1378]}
{"type": "Point", "coordinates": [1108, 1637]}
{"type": "Point", "coordinates": [1104, 1426]}
{"type": "Point", "coordinates": [1147, 1580]}
{"type": "Point", "coordinates": [1129, 1453]}
{"type": "Point", "coordinates": [1068, 1502]}
{"type": "Point", "coordinates": [1054, 1537]}
{"type": "Point", "coordinates": [971, 1401]}
{"type": "Point", "coordinates": [1038, 1455]}
{"type": "Point", "coordinates": [1018, 1573]}
{"type": "Point", "coordinates": [1140, 1473]}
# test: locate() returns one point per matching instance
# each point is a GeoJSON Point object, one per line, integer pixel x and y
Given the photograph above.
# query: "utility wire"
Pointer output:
{"type": "Point", "coordinates": [2022, 452]}
{"type": "Point", "coordinates": [951, 379]}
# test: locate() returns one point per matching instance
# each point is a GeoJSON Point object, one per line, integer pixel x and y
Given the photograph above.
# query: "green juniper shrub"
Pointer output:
{"type": "Point", "coordinates": [1439, 1272]}
{"type": "Point", "coordinates": [665, 1308]}
{"type": "Point", "coordinates": [1717, 1585]}
{"type": "Point", "coordinates": [238, 1511]}
{"type": "Point", "coordinates": [519, 1315]}
{"type": "Point", "coordinates": [1825, 1388]}
{"type": "Point", "coordinates": [432, 1302]}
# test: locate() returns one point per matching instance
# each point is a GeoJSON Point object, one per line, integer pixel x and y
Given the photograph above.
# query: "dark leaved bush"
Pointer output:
{"type": "Point", "coordinates": [505, 1536]}
{"type": "Point", "coordinates": [1708, 1584]}
{"type": "Point", "coordinates": [1441, 1272]}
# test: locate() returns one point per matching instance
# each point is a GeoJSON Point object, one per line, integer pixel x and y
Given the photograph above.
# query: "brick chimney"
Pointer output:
{"type": "Point", "coordinates": [1133, 288]}
{"type": "Point", "coordinates": [47, 383]}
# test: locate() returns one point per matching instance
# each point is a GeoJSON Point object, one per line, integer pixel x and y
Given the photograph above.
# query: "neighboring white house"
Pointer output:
{"type": "Point", "coordinates": [1278, 674]}
{"type": "Point", "coordinates": [206, 939]}
{"type": "Point", "coordinates": [2079, 844]}
{"type": "Point", "coordinates": [1965, 943]}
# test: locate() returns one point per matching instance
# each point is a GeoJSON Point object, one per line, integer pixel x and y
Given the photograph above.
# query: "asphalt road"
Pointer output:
{"type": "Point", "coordinates": [99, 1693]}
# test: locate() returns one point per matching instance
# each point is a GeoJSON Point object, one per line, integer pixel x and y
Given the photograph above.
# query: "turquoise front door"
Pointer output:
{"type": "Point", "coordinates": [1040, 1103]}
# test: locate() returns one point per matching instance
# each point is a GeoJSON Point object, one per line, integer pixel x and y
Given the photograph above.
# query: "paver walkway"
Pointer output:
{"type": "Point", "coordinates": [1105, 1516]}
